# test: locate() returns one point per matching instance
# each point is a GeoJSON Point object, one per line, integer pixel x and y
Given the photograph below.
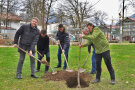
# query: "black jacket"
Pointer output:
{"type": "Point", "coordinates": [64, 39]}
{"type": "Point", "coordinates": [28, 37]}
{"type": "Point", "coordinates": [43, 44]}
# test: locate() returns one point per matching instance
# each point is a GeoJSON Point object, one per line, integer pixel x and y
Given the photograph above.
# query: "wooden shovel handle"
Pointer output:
{"type": "Point", "coordinates": [42, 56]}
{"type": "Point", "coordinates": [39, 53]}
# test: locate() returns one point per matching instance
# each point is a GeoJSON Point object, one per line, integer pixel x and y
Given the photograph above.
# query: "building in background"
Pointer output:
{"type": "Point", "coordinates": [8, 25]}
{"type": "Point", "coordinates": [129, 29]}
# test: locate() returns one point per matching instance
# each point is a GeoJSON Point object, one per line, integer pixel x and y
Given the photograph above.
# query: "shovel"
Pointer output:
{"type": "Point", "coordinates": [82, 69]}
{"type": "Point", "coordinates": [43, 61]}
{"type": "Point", "coordinates": [47, 62]}
{"type": "Point", "coordinates": [68, 70]}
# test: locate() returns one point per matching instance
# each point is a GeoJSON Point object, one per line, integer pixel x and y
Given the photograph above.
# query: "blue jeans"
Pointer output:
{"type": "Point", "coordinates": [93, 62]}
{"type": "Point", "coordinates": [47, 58]}
{"type": "Point", "coordinates": [59, 57]}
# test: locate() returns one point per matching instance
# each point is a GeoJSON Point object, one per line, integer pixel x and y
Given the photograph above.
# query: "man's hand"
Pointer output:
{"type": "Point", "coordinates": [58, 41]}
{"type": "Point", "coordinates": [15, 45]}
{"type": "Point", "coordinates": [30, 53]}
{"type": "Point", "coordinates": [81, 35]}
{"type": "Point", "coordinates": [80, 46]}
{"type": "Point", "coordinates": [85, 32]}
{"type": "Point", "coordinates": [63, 51]}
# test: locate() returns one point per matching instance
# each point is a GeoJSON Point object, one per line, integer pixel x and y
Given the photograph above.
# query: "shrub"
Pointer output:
{"type": "Point", "coordinates": [6, 42]}
{"type": "Point", "coordinates": [131, 41]}
{"type": "Point", "coordinates": [114, 41]}
{"type": "Point", "coordinates": [10, 42]}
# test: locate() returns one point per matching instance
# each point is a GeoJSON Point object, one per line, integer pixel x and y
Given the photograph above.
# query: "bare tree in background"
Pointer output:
{"type": "Point", "coordinates": [60, 16]}
{"type": "Point", "coordinates": [8, 6]}
{"type": "Point", "coordinates": [49, 6]}
{"type": "Point", "coordinates": [77, 11]}
{"type": "Point", "coordinates": [1, 10]}
{"type": "Point", "coordinates": [100, 18]}
{"type": "Point", "coordinates": [40, 9]}
{"type": "Point", "coordinates": [128, 4]}
{"type": "Point", "coordinates": [133, 3]}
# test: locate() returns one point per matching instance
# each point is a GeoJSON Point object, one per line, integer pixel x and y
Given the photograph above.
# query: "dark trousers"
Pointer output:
{"type": "Point", "coordinates": [21, 61]}
{"type": "Point", "coordinates": [47, 58]}
{"type": "Point", "coordinates": [107, 59]}
{"type": "Point", "coordinates": [59, 57]}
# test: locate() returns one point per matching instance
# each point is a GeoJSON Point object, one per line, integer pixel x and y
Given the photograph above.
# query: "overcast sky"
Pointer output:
{"type": "Point", "coordinates": [111, 7]}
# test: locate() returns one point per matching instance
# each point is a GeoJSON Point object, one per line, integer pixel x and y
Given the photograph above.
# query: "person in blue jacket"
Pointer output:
{"type": "Point", "coordinates": [63, 38]}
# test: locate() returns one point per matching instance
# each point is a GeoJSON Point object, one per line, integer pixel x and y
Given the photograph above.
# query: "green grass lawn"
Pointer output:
{"type": "Point", "coordinates": [123, 61]}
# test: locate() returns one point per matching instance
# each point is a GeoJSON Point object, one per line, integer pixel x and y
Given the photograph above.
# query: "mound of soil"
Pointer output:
{"type": "Point", "coordinates": [69, 77]}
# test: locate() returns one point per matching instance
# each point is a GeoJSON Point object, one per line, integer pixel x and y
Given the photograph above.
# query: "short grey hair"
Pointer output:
{"type": "Point", "coordinates": [35, 18]}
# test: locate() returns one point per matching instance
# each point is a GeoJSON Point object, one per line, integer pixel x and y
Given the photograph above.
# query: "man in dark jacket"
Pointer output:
{"type": "Point", "coordinates": [43, 48]}
{"type": "Point", "coordinates": [28, 35]}
{"type": "Point", "coordinates": [63, 39]}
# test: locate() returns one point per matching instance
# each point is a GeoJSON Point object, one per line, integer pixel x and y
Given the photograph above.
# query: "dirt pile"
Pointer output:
{"type": "Point", "coordinates": [70, 78]}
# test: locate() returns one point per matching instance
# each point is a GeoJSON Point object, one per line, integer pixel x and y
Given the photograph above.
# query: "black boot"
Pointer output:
{"type": "Point", "coordinates": [34, 76]}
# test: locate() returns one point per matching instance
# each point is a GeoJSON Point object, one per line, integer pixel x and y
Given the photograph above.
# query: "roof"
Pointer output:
{"type": "Point", "coordinates": [113, 26]}
{"type": "Point", "coordinates": [7, 28]}
{"type": "Point", "coordinates": [132, 19]}
{"type": "Point", "coordinates": [12, 17]}
{"type": "Point", "coordinates": [133, 16]}
{"type": "Point", "coordinates": [129, 19]}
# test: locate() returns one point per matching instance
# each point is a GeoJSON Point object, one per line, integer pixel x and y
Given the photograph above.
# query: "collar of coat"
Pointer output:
{"type": "Point", "coordinates": [33, 27]}
{"type": "Point", "coordinates": [92, 30]}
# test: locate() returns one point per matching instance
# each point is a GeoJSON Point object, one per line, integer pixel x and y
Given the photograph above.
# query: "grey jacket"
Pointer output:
{"type": "Point", "coordinates": [28, 37]}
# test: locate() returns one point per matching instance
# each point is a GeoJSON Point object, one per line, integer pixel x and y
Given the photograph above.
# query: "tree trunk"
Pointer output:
{"type": "Point", "coordinates": [7, 13]}
{"type": "Point", "coordinates": [43, 15]}
{"type": "Point", "coordinates": [1, 13]}
{"type": "Point", "coordinates": [48, 14]}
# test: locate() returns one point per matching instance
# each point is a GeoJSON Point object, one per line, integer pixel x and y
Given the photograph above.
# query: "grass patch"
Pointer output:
{"type": "Point", "coordinates": [123, 61]}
